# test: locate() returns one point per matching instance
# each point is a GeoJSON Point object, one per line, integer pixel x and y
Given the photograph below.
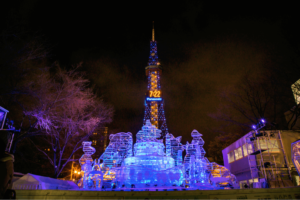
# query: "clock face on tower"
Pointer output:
{"type": "Point", "coordinates": [154, 94]}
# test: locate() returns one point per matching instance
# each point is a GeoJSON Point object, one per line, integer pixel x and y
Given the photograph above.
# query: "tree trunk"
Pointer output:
{"type": "Point", "coordinates": [55, 175]}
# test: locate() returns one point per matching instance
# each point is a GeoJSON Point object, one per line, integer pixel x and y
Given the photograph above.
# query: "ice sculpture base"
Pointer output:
{"type": "Point", "coordinates": [152, 162]}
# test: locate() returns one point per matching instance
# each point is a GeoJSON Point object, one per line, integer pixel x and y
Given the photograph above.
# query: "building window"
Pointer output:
{"type": "Point", "coordinates": [248, 150]}
{"type": "Point", "coordinates": [105, 130]}
{"type": "Point", "coordinates": [274, 145]}
{"type": "Point", "coordinates": [238, 153]}
{"type": "Point", "coordinates": [255, 180]}
{"type": "Point", "coordinates": [245, 150]}
{"type": "Point", "coordinates": [94, 142]}
{"type": "Point", "coordinates": [95, 133]}
{"type": "Point", "coordinates": [230, 156]}
{"type": "Point", "coordinates": [269, 145]}
{"type": "Point", "coordinates": [261, 144]}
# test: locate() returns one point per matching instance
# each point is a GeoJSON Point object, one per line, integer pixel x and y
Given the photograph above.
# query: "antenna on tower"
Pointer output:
{"type": "Point", "coordinates": [153, 39]}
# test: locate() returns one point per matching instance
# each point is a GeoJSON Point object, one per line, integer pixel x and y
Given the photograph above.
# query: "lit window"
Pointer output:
{"type": "Point", "coordinates": [238, 153]}
{"type": "Point", "coordinates": [255, 180]}
{"type": "Point", "coordinates": [270, 145]}
{"type": "Point", "coordinates": [94, 142]}
{"type": "Point", "coordinates": [245, 150]}
{"type": "Point", "coordinates": [273, 145]}
{"type": "Point", "coordinates": [250, 148]}
{"type": "Point", "coordinates": [230, 156]}
{"type": "Point", "coordinates": [95, 133]}
{"type": "Point", "coordinates": [261, 144]}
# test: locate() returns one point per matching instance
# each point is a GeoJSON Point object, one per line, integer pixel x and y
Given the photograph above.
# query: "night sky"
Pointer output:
{"type": "Point", "coordinates": [205, 48]}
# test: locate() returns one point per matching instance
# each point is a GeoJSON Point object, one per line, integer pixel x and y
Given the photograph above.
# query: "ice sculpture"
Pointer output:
{"type": "Point", "coordinates": [296, 155]}
{"type": "Point", "coordinates": [195, 165]}
{"type": "Point", "coordinates": [149, 166]}
{"type": "Point", "coordinates": [176, 149]}
{"type": "Point", "coordinates": [152, 164]}
{"type": "Point", "coordinates": [86, 161]}
{"type": "Point", "coordinates": [221, 176]}
{"type": "Point", "coordinates": [119, 148]}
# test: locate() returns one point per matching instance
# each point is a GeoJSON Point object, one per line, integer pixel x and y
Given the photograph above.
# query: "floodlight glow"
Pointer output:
{"type": "Point", "coordinates": [253, 126]}
{"type": "Point", "coordinates": [262, 120]}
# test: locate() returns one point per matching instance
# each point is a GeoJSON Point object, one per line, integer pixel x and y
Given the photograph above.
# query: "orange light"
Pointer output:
{"type": "Point", "coordinates": [155, 93]}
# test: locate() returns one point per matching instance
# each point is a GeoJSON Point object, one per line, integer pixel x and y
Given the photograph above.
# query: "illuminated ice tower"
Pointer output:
{"type": "Point", "coordinates": [154, 103]}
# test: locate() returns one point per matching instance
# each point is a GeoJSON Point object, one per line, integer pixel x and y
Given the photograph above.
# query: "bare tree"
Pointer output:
{"type": "Point", "coordinates": [52, 107]}
{"type": "Point", "coordinates": [249, 102]}
{"type": "Point", "coordinates": [61, 111]}
{"type": "Point", "coordinates": [220, 142]}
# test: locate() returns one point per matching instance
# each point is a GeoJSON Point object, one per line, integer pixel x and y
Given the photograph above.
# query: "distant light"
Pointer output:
{"type": "Point", "coordinates": [254, 127]}
{"type": "Point", "coordinates": [75, 171]}
{"type": "Point", "coordinates": [263, 121]}
{"type": "Point", "coordinates": [78, 172]}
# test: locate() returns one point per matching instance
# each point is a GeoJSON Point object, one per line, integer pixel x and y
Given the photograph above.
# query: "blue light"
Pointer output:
{"type": "Point", "coordinates": [254, 127]}
{"type": "Point", "coordinates": [153, 99]}
{"type": "Point", "coordinates": [152, 164]}
{"type": "Point", "coordinates": [262, 120]}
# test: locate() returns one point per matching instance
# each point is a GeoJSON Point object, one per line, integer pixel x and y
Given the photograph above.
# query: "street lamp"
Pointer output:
{"type": "Point", "coordinates": [258, 126]}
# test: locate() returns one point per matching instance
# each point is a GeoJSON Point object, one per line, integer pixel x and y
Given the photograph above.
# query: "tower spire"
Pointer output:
{"type": "Point", "coordinates": [153, 58]}
{"type": "Point", "coordinates": [153, 34]}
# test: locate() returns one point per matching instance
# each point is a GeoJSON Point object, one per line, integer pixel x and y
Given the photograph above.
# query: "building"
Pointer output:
{"type": "Point", "coordinates": [263, 158]}
{"type": "Point", "coordinates": [154, 103]}
{"type": "Point", "coordinates": [99, 140]}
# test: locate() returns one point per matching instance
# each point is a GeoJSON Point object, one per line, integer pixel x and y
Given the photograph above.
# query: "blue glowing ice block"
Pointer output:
{"type": "Point", "coordinates": [150, 166]}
